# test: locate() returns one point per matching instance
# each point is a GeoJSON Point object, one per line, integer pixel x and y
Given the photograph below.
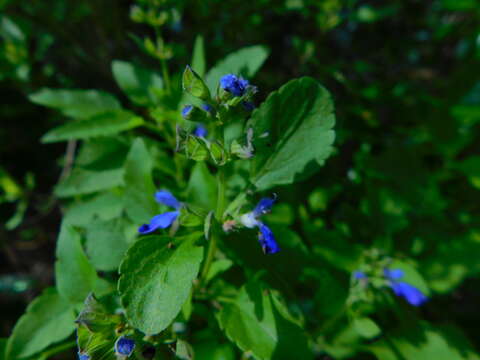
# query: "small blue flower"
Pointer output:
{"type": "Point", "coordinates": [83, 356]}
{"type": "Point", "coordinates": [162, 221]}
{"type": "Point", "coordinates": [265, 236]}
{"type": "Point", "coordinates": [187, 109]}
{"type": "Point", "coordinates": [124, 346]}
{"type": "Point", "coordinates": [200, 131]}
{"type": "Point", "coordinates": [208, 108]}
{"type": "Point", "coordinates": [400, 288]}
{"type": "Point", "coordinates": [267, 239]}
{"type": "Point", "coordinates": [359, 275]}
{"type": "Point", "coordinates": [232, 84]}
{"type": "Point", "coordinates": [409, 292]}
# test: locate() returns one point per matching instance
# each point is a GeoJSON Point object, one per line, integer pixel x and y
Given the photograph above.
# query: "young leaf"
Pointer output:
{"type": "Point", "coordinates": [259, 323]}
{"type": "Point", "coordinates": [104, 124]}
{"type": "Point", "coordinates": [155, 279]}
{"type": "Point", "coordinates": [80, 104]}
{"type": "Point", "coordinates": [139, 192]}
{"type": "Point", "coordinates": [141, 85]}
{"type": "Point", "coordinates": [292, 129]}
{"type": "Point", "coordinates": [193, 84]}
{"type": "Point", "coordinates": [75, 276]}
{"type": "Point", "coordinates": [48, 320]}
{"type": "Point", "coordinates": [245, 62]}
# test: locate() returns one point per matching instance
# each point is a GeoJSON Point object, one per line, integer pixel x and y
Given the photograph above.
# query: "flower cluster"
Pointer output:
{"type": "Point", "coordinates": [234, 85]}
{"type": "Point", "coordinates": [265, 236]}
{"type": "Point", "coordinates": [164, 220]}
{"type": "Point", "coordinates": [400, 288]}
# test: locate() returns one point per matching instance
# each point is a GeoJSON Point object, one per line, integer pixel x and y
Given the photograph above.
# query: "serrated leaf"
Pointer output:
{"type": "Point", "coordinates": [106, 243]}
{"type": "Point", "coordinates": [48, 320]}
{"type": "Point", "coordinates": [79, 104]}
{"type": "Point", "coordinates": [75, 276]}
{"type": "Point", "coordinates": [244, 62]}
{"type": "Point", "coordinates": [141, 85]}
{"type": "Point", "coordinates": [139, 199]}
{"type": "Point", "coordinates": [259, 323]}
{"type": "Point", "coordinates": [81, 182]}
{"type": "Point", "coordinates": [292, 129]}
{"type": "Point", "coordinates": [104, 124]}
{"type": "Point", "coordinates": [155, 279]}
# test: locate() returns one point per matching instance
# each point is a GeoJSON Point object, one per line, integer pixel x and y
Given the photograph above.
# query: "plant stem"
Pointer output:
{"type": "Point", "coordinates": [220, 194]}
{"type": "Point", "coordinates": [212, 249]}
{"type": "Point", "coordinates": [166, 76]}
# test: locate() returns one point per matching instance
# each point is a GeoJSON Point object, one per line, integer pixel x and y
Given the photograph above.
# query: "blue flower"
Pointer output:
{"type": "Point", "coordinates": [232, 84]}
{"type": "Point", "coordinates": [83, 356]}
{"type": "Point", "coordinates": [359, 275]}
{"type": "Point", "coordinates": [265, 236]}
{"type": "Point", "coordinates": [166, 219]}
{"type": "Point", "coordinates": [200, 131]}
{"type": "Point", "coordinates": [187, 109]}
{"type": "Point", "coordinates": [124, 346]}
{"type": "Point", "coordinates": [208, 108]}
{"type": "Point", "coordinates": [400, 288]}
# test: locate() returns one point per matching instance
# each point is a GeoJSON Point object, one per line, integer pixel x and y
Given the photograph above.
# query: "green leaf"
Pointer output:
{"type": "Point", "coordinates": [292, 129]}
{"type": "Point", "coordinates": [139, 192]}
{"type": "Point", "coordinates": [75, 276]}
{"type": "Point", "coordinates": [95, 316]}
{"type": "Point", "coordinates": [79, 104]}
{"type": "Point", "coordinates": [202, 187]}
{"type": "Point", "coordinates": [366, 327]}
{"type": "Point", "coordinates": [83, 181]}
{"type": "Point", "coordinates": [106, 243]}
{"type": "Point", "coordinates": [198, 60]}
{"type": "Point", "coordinates": [155, 279]}
{"type": "Point", "coordinates": [48, 320]}
{"type": "Point", "coordinates": [244, 62]}
{"type": "Point", "coordinates": [104, 124]}
{"type": "Point", "coordinates": [213, 350]}
{"type": "Point", "coordinates": [141, 85]}
{"type": "Point", "coordinates": [3, 345]}
{"type": "Point", "coordinates": [104, 206]}
{"type": "Point", "coordinates": [259, 323]}
{"type": "Point", "coordinates": [193, 84]}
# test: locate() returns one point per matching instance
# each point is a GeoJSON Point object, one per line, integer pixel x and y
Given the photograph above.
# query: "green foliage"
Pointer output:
{"type": "Point", "coordinates": [48, 319]}
{"type": "Point", "coordinates": [156, 279]}
{"type": "Point", "coordinates": [292, 128]}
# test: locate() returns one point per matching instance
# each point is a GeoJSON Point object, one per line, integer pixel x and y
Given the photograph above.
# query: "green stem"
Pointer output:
{"type": "Point", "coordinates": [220, 194]}
{"type": "Point", "coordinates": [166, 76]}
{"type": "Point", "coordinates": [212, 249]}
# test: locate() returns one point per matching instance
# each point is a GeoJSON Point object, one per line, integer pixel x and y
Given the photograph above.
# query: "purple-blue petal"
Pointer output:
{"type": "Point", "coordinates": [393, 274]}
{"type": "Point", "coordinates": [161, 221]}
{"type": "Point", "coordinates": [124, 346]}
{"type": "Point", "coordinates": [359, 275]}
{"type": "Point", "coordinates": [200, 131]}
{"type": "Point", "coordinates": [267, 240]}
{"type": "Point", "coordinates": [409, 292]}
{"type": "Point", "coordinates": [187, 109]}
{"type": "Point", "coordinates": [165, 197]}
{"type": "Point", "coordinates": [231, 83]}
{"type": "Point", "coordinates": [208, 108]}
{"type": "Point", "coordinates": [263, 206]}
{"type": "Point", "coordinates": [83, 356]}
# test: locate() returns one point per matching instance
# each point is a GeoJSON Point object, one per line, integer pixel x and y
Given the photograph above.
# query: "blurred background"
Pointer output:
{"type": "Point", "coordinates": [404, 76]}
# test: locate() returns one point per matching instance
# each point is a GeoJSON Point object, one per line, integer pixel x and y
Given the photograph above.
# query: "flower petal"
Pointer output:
{"type": "Point", "coordinates": [161, 221]}
{"type": "Point", "coordinates": [165, 197]}
{"type": "Point", "coordinates": [124, 346]}
{"type": "Point", "coordinates": [187, 109]}
{"type": "Point", "coordinates": [83, 356]}
{"type": "Point", "coordinates": [393, 274]}
{"type": "Point", "coordinates": [267, 239]}
{"type": "Point", "coordinates": [263, 206]}
{"type": "Point", "coordinates": [409, 292]}
{"type": "Point", "coordinates": [200, 131]}
{"type": "Point", "coordinates": [359, 275]}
